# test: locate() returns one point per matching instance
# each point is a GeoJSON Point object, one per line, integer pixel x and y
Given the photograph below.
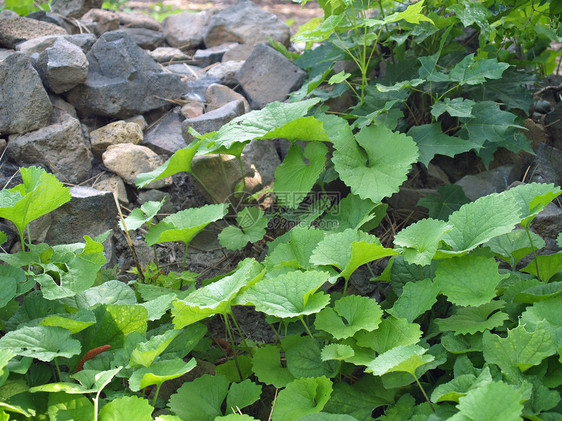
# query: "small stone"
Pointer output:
{"type": "Point", "coordinates": [138, 119]}
{"type": "Point", "coordinates": [20, 29]}
{"type": "Point", "coordinates": [212, 120]}
{"type": "Point", "coordinates": [542, 106]}
{"type": "Point", "coordinates": [74, 8]}
{"type": "Point", "coordinates": [7, 13]}
{"type": "Point", "coordinates": [546, 167]}
{"type": "Point", "coordinates": [128, 161]}
{"type": "Point", "coordinates": [548, 223]}
{"type": "Point", "coordinates": [553, 124]}
{"type": "Point", "coordinates": [168, 55]}
{"type": "Point", "coordinates": [114, 184]}
{"type": "Point", "coordinates": [113, 134]}
{"type": "Point", "coordinates": [61, 104]}
{"type": "Point", "coordinates": [145, 38]}
{"type": "Point", "coordinates": [135, 19]}
{"type": "Point", "coordinates": [38, 45]}
{"type": "Point", "coordinates": [241, 52]}
{"type": "Point", "coordinates": [185, 30]}
{"type": "Point", "coordinates": [219, 95]}
{"type": "Point", "coordinates": [226, 72]}
{"type": "Point", "coordinates": [491, 181]}
{"type": "Point", "coordinates": [104, 20]}
{"type": "Point", "coordinates": [194, 108]}
{"type": "Point", "coordinates": [165, 136]}
{"type": "Point", "coordinates": [208, 56]}
{"type": "Point", "coordinates": [184, 69]}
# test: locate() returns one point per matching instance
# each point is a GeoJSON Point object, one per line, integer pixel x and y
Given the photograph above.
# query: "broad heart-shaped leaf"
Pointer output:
{"type": "Point", "coordinates": [488, 123]}
{"type": "Point", "coordinates": [380, 170]}
{"type": "Point", "coordinates": [303, 355]}
{"type": "Point", "coordinates": [473, 72]}
{"type": "Point", "coordinates": [540, 292]}
{"type": "Point", "coordinates": [451, 198]}
{"type": "Point", "coordinates": [200, 399]}
{"type": "Point", "coordinates": [180, 161]}
{"type": "Point", "coordinates": [241, 395]}
{"type": "Point", "coordinates": [75, 322]}
{"type": "Point", "coordinates": [349, 315]}
{"type": "Point", "coordinates": [412, 14]}
{"type": "Point", "coordinates": [521, 348]}
{"type": "Point", "coordinates": [127, 408]}
{"type": "Point", "coordinates": [42, 342]}
{"type": "Point", "coordinates": [159, 372]}
{"type": "Point", "coordinates": [348, 250]}
{"type": "Point", "coordinates": [252, 228]}
{"type": "Point", "coordinates": [432, 141]}
{"type": "Point", "coordinates": [294, 178]}
{"type": "Point", "coordinates": [354, 212]}
{"type": "Point", "coordinates": [215, 298]}
{"type": "Point", "coordinates": [468, 280]}
{"type": "Point", "coordinates": [289, 295]}
{"type": "Point", "coordinates": [532, 199]}
{"type": "Point", "coordinates": [406, 358]}
{"type": "Point", "coordinates": [297, 250]}
{"type": "Point", "coordinates": [391, 333]}
{"type": "Point", "coordinates": [70, 407]}
{"type": "Point", "coordinates": [549, 265]}
{"type": "Point", "coordinates": [39, 194]}
{"type": "Point", "coordinates": [416, 299]}
{"type": "Point", "coordinates": [140, 216]}
{"type": "Point", "coordinates": [337, 352]}
{"type": "Point", "coordinates": [267, 367]}
{"type": "Point", "coordinates": [419, 242]}
{"type": "Point", "coordinates": [515, 245]}
{"type": "Point", "coordinates": [457, 107]}
{"type": "Point", "coordinates": [479, 221]}
{"type": "Point", "coordinates": [185, 224]}
{"type": "Point", "coordinates": [10, 277]}
{"type": "Point", "coordinates": [469, 320]}
{"type": "Point", "coordinates": [302, 397]}
{"type": "Point", "coordinates": [110, 292]}
{"type": "Point", "coordinates": [498, 400]}
{"type": "Point", "coordinates": [460, 386]}
{"type": "Point", "coordinates": [145, 352]}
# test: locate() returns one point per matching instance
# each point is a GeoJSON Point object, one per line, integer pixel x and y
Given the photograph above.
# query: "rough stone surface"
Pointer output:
{"type": "Point", "coordinates": [194, 108]}
{"type": "Point", "coordinates": [61, 104]}
{"type": "Point", "coordinates": [43, 16]}
{"type": "Point", "coordinates": [184, 69]}
{"type": "Point", "coordinates": [138, 119]}
{"type": "Point", "coordinates": [547, 166]}
{"type": "Point", "coordinates": [262, 157]}
{"type": "Point", "coordinates": [114, 134]}
{"type": "Point", "coordinates": [74, 8]}
{"type": "Point", "coordinates": [24, 103]}
{"type": "Point", "coordinates": [20, 29]}
{"type": "Point", "coordinates": [487, 182]}
{"type": "Point", "coordinates": [165, 137]}
{"type": "Point", "coordinates": [553, 123]}
{"type": "Point", "coordinates": [5, 53]}
{"type": "Point", "coordinates": [60, 146]}
{"type": "Point", "coordinates": [218, 95]}
{"type": "Point", "coordinates": [185, 30]}
{"type": "Point", "coordinates": [245, 23]}
{"type": "Point", "coordinates": [135, 19]}
{"type": "Point", "coordinates": [548, 223]}
{"type": "Point", "coordinates": [114, 184]}
{"type": "Point", "coordinates": [268, 76]}
{"type": "Point", "coordinates": [38, 45]}
{"type": "Point", "coordinates": [219, 175]}
{"type": "Point", "coordinates": [213, 120]}
{"type": "Point", "coordinates": [168, 55]}
{"type": "Point", "coordinates": [62, 66]}
{"type": "Point", "coordinates": [128, 161]}
{"type": "Point", "coordinates": [241, 52]}
{"type": "Point", "coordinates": [104, 20]}
{"type": "Point", "coordinates": [145, 38]}
{"type": "Point", "coordinates": [8, 14]}
{"type": "Point", "coordinates": [226, 72]}
{"type": "Point", "coordinates": [207, 56]}
{"type": "Point", "coordinates": [198, 87]}
{"type": "Point", "coordinates": [123, 80]}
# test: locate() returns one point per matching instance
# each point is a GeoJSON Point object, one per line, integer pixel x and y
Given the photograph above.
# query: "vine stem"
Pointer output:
{"type": "Point", "coordinates": [156, 394]}
{"type": "Point", "coordinates": [534, 251]}
{"type": "Point", "coordinates": [58, 368]}
{"type": "Point", "coordinates": [234, 348]}
{"type": "Point", "coordinates": [240, 332]}
{"type": "Point", "coordinates": [423, 392]}
{"type": "Point", "coordinates": [306, 327]}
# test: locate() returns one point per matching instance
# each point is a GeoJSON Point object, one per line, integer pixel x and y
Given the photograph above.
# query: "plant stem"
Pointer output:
{"type": "Point", "coordinates": [424, 394]}
{"type": "Point", "coordinates": [234, 348]}
{"type": "Point", "coordinates": [184, 262]}
{"type": "Point", "coordinates": [345, 287]}
{"type": "Point", "coordinates": [156, 394]}
{"type": "Point", "coordinates": [129, 240]}
{"type": "Point", "coordinates": [240, 332]}
{"type": "Point", "coordinates": [306, 327]}
{"type": "Point", "coordinates": [534, 251]}
{"type": "Point", "coordinates": [58, 368]}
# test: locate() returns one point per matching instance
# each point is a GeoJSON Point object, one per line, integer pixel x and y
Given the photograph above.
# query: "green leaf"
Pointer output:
{"type": "Point", "coordinates": [469, 320]}
{"type": "Point", "coordinates": [42, 342]}
{"type": "Point", "coordinates": [10, 277]}
{"type": "Point", "coordinates": [549, 265]}
{"type": "Point", "coordinates": [539, 293]}
{"type": "Point", "coordinates": [547, 310]}
{"type": "Point", "coordinates": [391, 333]}
{"type": "Point", "coordinates": [377, 164]}
{"type": "Point", "coordinates": [431, 141]}
{"type": "Point", "coordinates": [337, 352]}
{"type": "Point", "coordinates": [267, 367]}
{"type": "Point", "coordinates": [515, 244]}
{"type": "Point", "coordinates": [200, 399]}
{"type": "Point", "coordinates": [481, 220]}
{"type": "Point", "coordinates": [348, 250]}
{"type": "Point", "coordinates": [127, 408]}
{"type": "Point", "coordinates": [289, 295]}
{"type": "Point", "coordinates": [460, 386]}
{"type": "Point", "coordinates": [145, 352]}
{"type": "Point", "coordinates": [298, 250]}
{"type": "Point", "coordinates": [469, 280]}
{"type": "Point", "coordinates": [215, 298]}
{"type": "Point", "coordinates": [461, 344]}
{"type": "Point", "coordinates": [70, 407]}
{"type": "Point", "coordinates": [412, 14]}
{"type": "Point", "coordinates": [180, 161]}
{"type": "Point", "coordinates": [488, 123]}
{"type": "Point", "coordinates": [521, 348]}
{"type": "Point", "coordinates": [302, 397]}
{"type": "Point", "coordinates": [232, 371]}
{"type": "Point", "coordinates": [39, 194]}
{"type": "Point", "coordinates": [303, 355]}
{"type": "Point", "coordinates": [470, 13]}
{"type": "Point", "coordinates": [354, 212]}
{"type": "Point", "coordinates": [419, 242]}
{"type": "Point", "coordinates": [406, 358]}
{"type": "Point", "coordinates": [185, 224]}
{"type": "Point", "coordinates": [241, 395]}
{"type": "Point", "coordinates": [497, 400]}
{"type": "Point", "coordinates": [339, 78]}
{"type": "Point", "coordinates": [294, 178]}
{"type": "Point", "coordinates": [451, 198]}
{"type": "Point", "coordinates": [322, 31]}
{"type": "Point", "coordinates": [349, 315]}
{"type": "Point", "coordinates": [457, 107]}
{"type": "Point", "coordinates": [75, 322]}
{"type": "Point", "coordinates": [110, 292]}
{"type": "Point", "coordinates": [252, 228]}
{"type": "Point", "coordinates": [532, 198]}
{"type": "Point", "coordinates": [398, 86]}
{"type": "Point", "coordinates": [159, 372]}
{"type": "Point", "coordinates": [416, 299]}
{"type": "Point", "coordinates": [473, 72]}
{"type": "Point", "coordinates": [140, 216]}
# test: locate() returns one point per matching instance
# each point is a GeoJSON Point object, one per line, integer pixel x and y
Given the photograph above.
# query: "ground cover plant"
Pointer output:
{"type": "Point", "coordinates": [467, 324]}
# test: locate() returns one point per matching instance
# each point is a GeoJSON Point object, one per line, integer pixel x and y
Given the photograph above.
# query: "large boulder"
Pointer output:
{"type": "Point", "coordinates": [74, 8]}
{"type": "Point", "coordinates": [185, 30]}
{"type": "Point", "coordinates": [245, 23]}
{"type": "Point", "coordinates": [25, 105]}
{"type": "Point", "coordinates": [123, 80]}
{"type": "Point", "coordinates": [59, 146]}
{"type": "Point", "coordinates": [20, 29]}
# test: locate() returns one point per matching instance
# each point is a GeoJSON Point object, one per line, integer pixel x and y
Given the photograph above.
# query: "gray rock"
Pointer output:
{"type": "Point", "coordinates": [553, 124]}
{"type": "Point", "coordinates": [548, 223]}
{"type": "Point", "coordinates": [8, 14]}
{"type": "Point", "coordinates": [241, 52]}
{"type": "Point", "coordinates": [185, 69]}
{"type": "Point", "coordinates": [24, 103]}
{"type": "Point", "coordinates": [185, 30]}
{"type": "Point", "coordinates": [61, 104]}
{"type": "Point", "coordinates": [165, 137]}
{"type": "Point", "coordinates": [492, 181]}
{"type": "Point", "coordinates": [103, 20]}
{"type": "Point", "coordinates": [51, 18]}
{"type": "Point", "coordinates": [198, 87]}
{"type": "Point", "coordinates": [123, 80]}
{"type": "Point", "coordinates": [20, 29]}
{"type": "Point", "coordinates": [212, 120]}
{"type": "Point", "coordinates": [226, 72]}
{"type": "Point", "coordinates": [38, 45]}
{"type": "Point", "coordinates": [135, 19]}
{"type": "Point", "coordinates": [60, 146]}
{"type": "Point", "coordinates": [245, 23]}
{"type": "Point", "coordinates": [4, 53]}
{"type": "Point", "coordinates": [145, 38]}
{"type": "Point", "coordinates": [114, 184]}
{"type": "Point", "coordinates": [207, 56]}
{"type": "Point", "coordinates": [263, 158]}
{"type": "Point", "coordinates": [113, 134]}
{"type": "Point", "coordinates": [74, 8]}
{"type": "Point", "coordinates": [547, 166]}
{"type": "Point", "coordinates": [268, 76]}
{"type": "Point", "coordinates": [62, 66]}
{"type": "Point", "coordinates": [218, 95]}
{"type": "Point", "coordinates": [138, 119]}
{"type": "Point", "coordinates": [168, 55]}
{"type": "Point", "coordinates": [194, 108]}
